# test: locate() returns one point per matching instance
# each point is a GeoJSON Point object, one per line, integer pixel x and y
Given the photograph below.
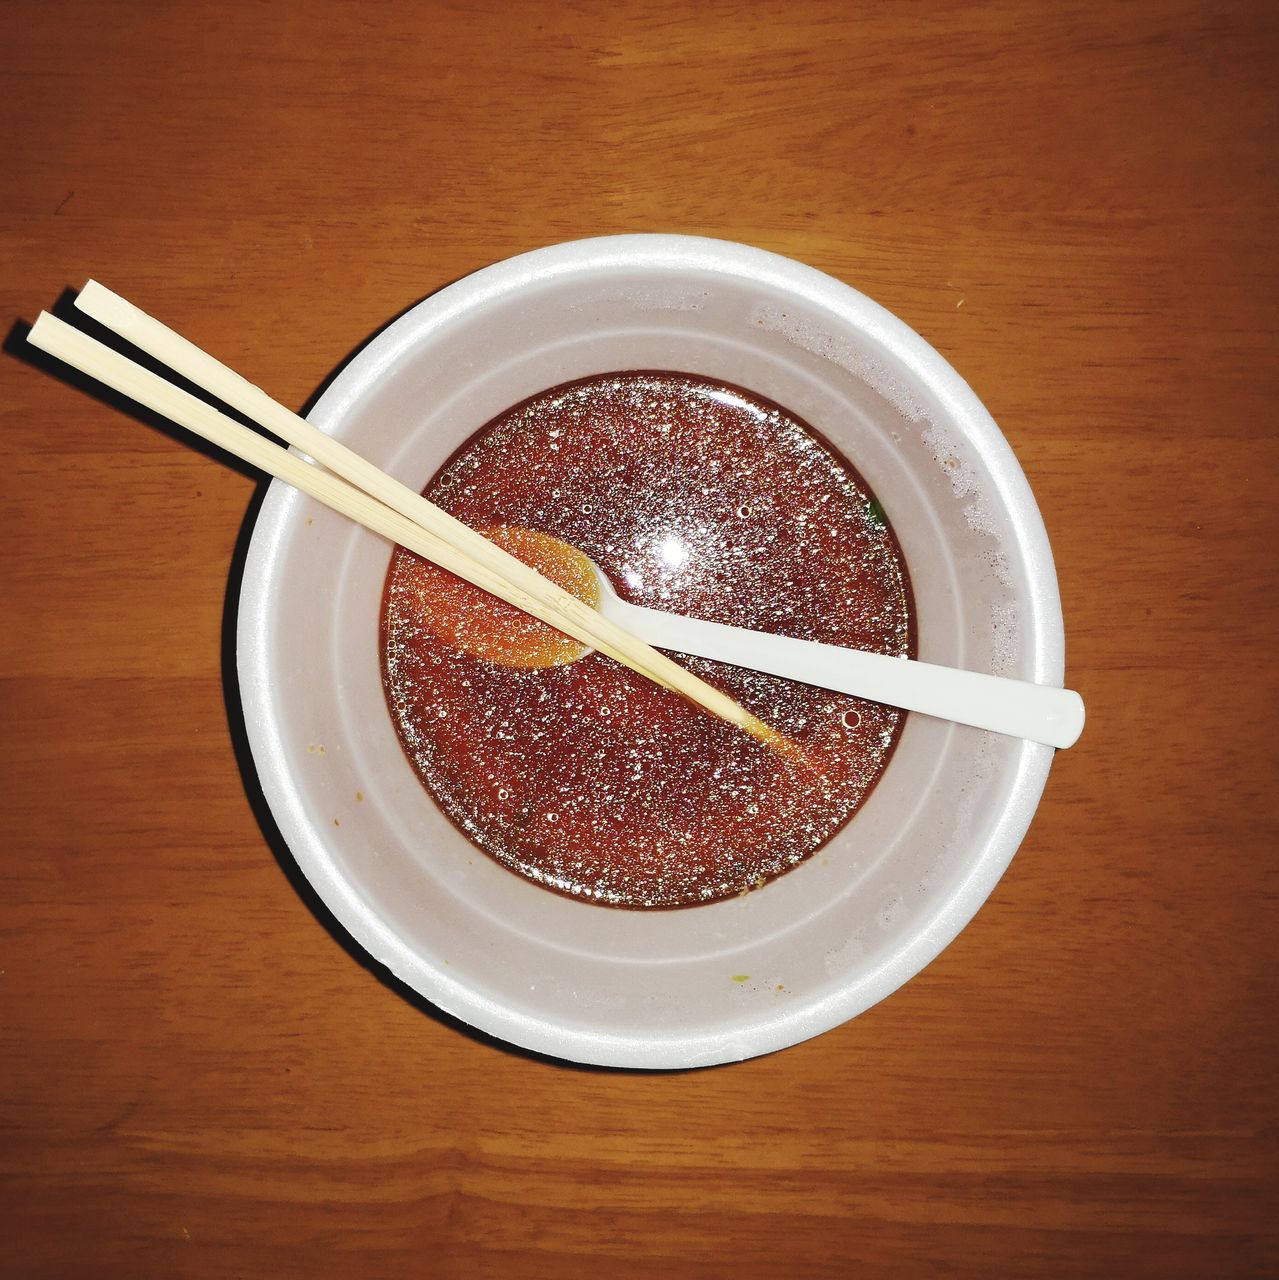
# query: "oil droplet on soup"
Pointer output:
{"type": "Point", "coordinates": [569, 769]}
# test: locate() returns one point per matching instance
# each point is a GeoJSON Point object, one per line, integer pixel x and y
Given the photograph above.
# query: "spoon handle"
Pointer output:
{"type": "Point", "coordinates": [1016, 707]}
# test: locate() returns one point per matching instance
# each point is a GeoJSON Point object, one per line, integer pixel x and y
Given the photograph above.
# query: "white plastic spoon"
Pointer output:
{"type": "Point", "coordinates": [1015, 707]}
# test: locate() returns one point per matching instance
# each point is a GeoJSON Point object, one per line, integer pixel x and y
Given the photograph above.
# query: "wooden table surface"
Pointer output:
{"type": "Point", "coordinates": [1075, 203]}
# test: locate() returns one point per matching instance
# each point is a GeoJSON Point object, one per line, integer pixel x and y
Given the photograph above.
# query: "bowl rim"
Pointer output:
{"type": "Point", "coordinates": [444, 990]}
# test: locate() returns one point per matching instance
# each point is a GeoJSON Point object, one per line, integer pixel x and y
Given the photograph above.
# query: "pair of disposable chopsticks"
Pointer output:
{"type": "Point", "coordinates": [349, 484]}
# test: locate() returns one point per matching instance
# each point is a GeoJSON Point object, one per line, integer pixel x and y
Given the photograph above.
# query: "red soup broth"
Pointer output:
{"type": "Point", "coordinates": [693, 497]}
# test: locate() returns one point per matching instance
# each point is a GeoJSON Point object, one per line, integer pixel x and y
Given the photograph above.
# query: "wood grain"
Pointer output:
{"type": "Point", "coordinates": [1075, 203]}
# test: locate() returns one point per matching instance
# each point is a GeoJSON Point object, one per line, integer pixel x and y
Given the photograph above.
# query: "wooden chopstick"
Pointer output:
{"type": "Point", "coordinates": [207, 372]}
{"type": "Point", "coordinates": [488, 569]}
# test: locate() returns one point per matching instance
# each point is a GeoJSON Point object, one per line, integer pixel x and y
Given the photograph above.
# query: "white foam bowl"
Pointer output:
{"type": "Point", "coordinates": [668, 988]}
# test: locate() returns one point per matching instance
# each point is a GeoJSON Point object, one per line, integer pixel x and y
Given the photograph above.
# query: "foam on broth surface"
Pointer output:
{"type": "Point", "coordinates": [694, 497]}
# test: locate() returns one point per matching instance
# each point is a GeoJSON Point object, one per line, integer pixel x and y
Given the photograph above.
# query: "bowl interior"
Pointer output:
{"type": "Point", "coordinates": [710, 983]}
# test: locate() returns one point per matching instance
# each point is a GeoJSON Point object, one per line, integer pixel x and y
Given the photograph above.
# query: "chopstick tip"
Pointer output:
{"type": "Point", "coordinates": [96, 299]}
{"type": "Point", "coordinates": [44, 327]}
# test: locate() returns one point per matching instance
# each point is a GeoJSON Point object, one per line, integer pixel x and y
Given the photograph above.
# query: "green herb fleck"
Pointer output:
{"type": "Point", "coordinates": [741, 977]}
